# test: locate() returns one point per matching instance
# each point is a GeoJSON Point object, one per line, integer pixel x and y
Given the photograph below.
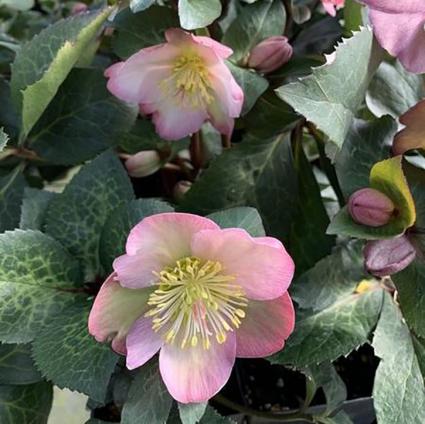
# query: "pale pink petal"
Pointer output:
{"type": "Point", "coordinates": [156, 242]}
{"type": "Point", "coordinates": [114, 311]}
{"type": "Point", "coordinates": [219, 49]}
{"type": "Point", "coordinates": [396, 6]}
{"type": "Point", "coordinates": [195, 374]}
{"type": "Point", "coordinates": [399, 28]}
{"type": "Point", "coordinates": [265, 328]}
{"type": "Point", "coordinates": [138, 79]}
{"type": "Point", "coordinates": [264, 271]}
{"type": "Point", "coordinates": [329, 7]}
{"type": "Point", "coordinates": [142, 343]}
{"type": "Point", "coordinates": [173, 122]}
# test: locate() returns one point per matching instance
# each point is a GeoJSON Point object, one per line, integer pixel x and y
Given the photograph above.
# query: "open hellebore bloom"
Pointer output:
{"type": "Point", "coordinates": [181, 83]}
{"type": "Point", "coordinates": [331, 6]}
{"type": "Point", "coordinates": [399, 27]}
{"type": "Point", "coordinates": [200, 295]}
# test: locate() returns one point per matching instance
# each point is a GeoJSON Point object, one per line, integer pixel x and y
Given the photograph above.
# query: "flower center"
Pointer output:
{"type": "Point", "coordinates": [195, 302]}
{"type": "Point", "coordinates": [189, 81]}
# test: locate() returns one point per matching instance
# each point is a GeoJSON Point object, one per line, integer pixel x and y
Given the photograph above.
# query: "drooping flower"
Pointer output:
{"type": "Point", "coordinates": [200, 295]}
{"type": "Point", "coordinates": [331, 6]}
{"type": "Point", "coordinates": [182, 83]}
{"type": "Point", "coordinates": [399, 27]}
{"type": "Point", "coordinates": [143, 163]}
{"type": "Point", "coordinates": [270, 54]}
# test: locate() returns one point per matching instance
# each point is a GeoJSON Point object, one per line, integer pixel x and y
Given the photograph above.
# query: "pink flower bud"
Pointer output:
{"type": "Point", "coordinates": [143, 163]}
{"type": "Point", "coordinates": [270, 54]}
{"type": "Point", "coordinates": [370, 207]}
{"type": "Point", "coordinates": [180, 189]}
{"type": "Point", "coordinates": [386, 257]}
{"type": "Point", "coordinates": [78, 7]}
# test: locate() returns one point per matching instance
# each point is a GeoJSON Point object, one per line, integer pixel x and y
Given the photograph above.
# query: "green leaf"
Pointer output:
{"type": "Point", "coordinates": [256, 172]}
{"type": "Point", "coordinates": [332, 278]}
{"type": "Point", "coordinates": [309, 241]}
{"type": "Point", "coordinates": [198, 13]}
{"type": "Point", "coordinates": [148, 399]}
{"type": "Point", "coordinates": [393, 90]}
{"type": "Point", "coordinates": [243, 217]}
{"type": "Point", "coordinates": [119, 223]}
{"type": "Point", "coordinates": [11, 191]}
{"type": "Point", "coordinates": [213, 417]}
{"type": "Point", "coordinates": [411, 289]}
{"type": "Point", "coordinates": [34, 206]}
{"type": "Point", "coordinates": [4, 138]}
{"type": "Point", "coordinates": [399, 391]}
{"type": "Point", "coordinates": [83, 119]}
{"type": "Point", "coordinates": [70, 357]}
{"type": "Point", "coordinates": [8, 116]}
{"type": "Point", "coordinates": [139, 5]}
{"type": "Point", "coordinates": [252, 84]}
{"type": "Point", "coordinates": [191, 413]}
{"type": "Point", "coordinates": [130, 38]}
{"type": "Point", "coordinates": [76, 217]}
{"type": "Point", "coordinates": [26, 404]}
{"type": "Point", "coordinates": [42, 64]}
{"type": "Point", "coordinates": [255, 23]}
{"type": "Point", "coordinates": [16, 365]}
{"type": "Point", "coordinates": [331, 96]}
{"type": "Point", "coordinates": [352, 15]}
{"type": "Point", "coordinates": [387, 177]}
{"type": "Point", "coordinates": [270, 116]}
{"type": "Point", "coordinates": [367, 142]}
{"type": "Point", "coordinates": [18, 4]}
{"type": "Point", "coordinates": [36, 276]}
{"type": "Point", "coordinates": [332, 332]}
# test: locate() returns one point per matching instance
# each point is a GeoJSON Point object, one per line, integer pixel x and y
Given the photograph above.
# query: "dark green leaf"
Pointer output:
{"type": "Point", "coordinates": [70, 357]}
{"type": "Point", "coordinates": [255, 23]}
{"type": "Point", "coordinates": [332, 332]}
{"type": "Point", "coordinates": [148, 399]}
{"type": "Point", "coordinates": [16, 365]}
{"type": "Point", "coordinates": [26, 404]}
{"type": "Point", "coordinates": [393, 90]}
{"type": "Point", "coordinates": [213, 417]}
{"type": "Point", "coordinates": [139, 5]}
{"type": "Point", "coordinates": [243, 217]}
{"type": "Point", "coordinates": [34, 206]}
{"type": "Point", "coordinates": [410, 284]}
{"type": "Point", "coordinates": [8, 116]}
{"type": "Point", "coordinates": [42, 64]}
{"type": "Point", "coordinates": [120, 222]}
{"type": "Point", "coordinates": [331, 96]}
{"type": "Point", "coordinates": [258, 173]}
{"type": "Point", "coordinates": [36, 275]}
{"type": "Point", "coordinates": [309, 241]}
{"type": "Point", "coordinates": [198, 13]}
{"type": "Point", "coordinates": [399, 391]}
{"type": "Point", "coordinates": [366, 144]}
{"type": "Point", "coordinates": [333, 277]}
{"type": "Point", "coordinates": [4, 138]}
{"type": "Point", "coordinates": [144, 29]}
{"type": "Point", "coordinates": [11, 192]}
{"type": "Point", "coordinates": [83, 119]}
{"type": "Point", "coordinates": [77, 216]}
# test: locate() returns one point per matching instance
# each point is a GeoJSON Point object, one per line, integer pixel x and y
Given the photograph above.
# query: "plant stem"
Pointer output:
{"type": "Point", "coordinates": [196, 151]}
{"type": "Point", "coordinates": [326, 163]}
{"type": "Point", "coordinates": [288, 416]}
{"type": "Point", "coordinates": [226, 142]}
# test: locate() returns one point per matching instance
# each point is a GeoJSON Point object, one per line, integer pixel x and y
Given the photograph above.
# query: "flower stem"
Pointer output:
{"type": "Point", "coordinates": [226, 142]}
{"type": "Point", "coordinates": [196, 151]}
{"type": "Point", "coordinates": [282, 417]}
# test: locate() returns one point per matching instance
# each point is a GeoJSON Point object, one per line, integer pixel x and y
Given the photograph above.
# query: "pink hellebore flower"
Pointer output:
{"type": "Point", "coordinates": [331, 6]}
{"type": "Point", "coordinates": [200, 295]}
{"type": "Point", "coordinates": [399, 27]}
{"type": "Point", "coordinates": [181, 83]}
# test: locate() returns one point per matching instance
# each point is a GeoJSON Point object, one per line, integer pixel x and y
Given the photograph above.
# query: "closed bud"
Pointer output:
{"type": "Point", "coordinates": [78, 7]}
{"type": "Point", "coordinates": [370, 207]}
{"type": "Point", "coordinates": [386, 257]}
{"type": "Point", "coordinates": [143, 163]}
{"type": "Point", "coordinates": [270, 54]}
{"type": "Point", "coordinates": [180, 189]}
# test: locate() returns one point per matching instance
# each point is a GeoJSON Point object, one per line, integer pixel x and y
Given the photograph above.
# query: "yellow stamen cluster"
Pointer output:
{"type": "Point", "coordinates": [190, 81]}
{"type": "Point", "coordinates": [195, 302]}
